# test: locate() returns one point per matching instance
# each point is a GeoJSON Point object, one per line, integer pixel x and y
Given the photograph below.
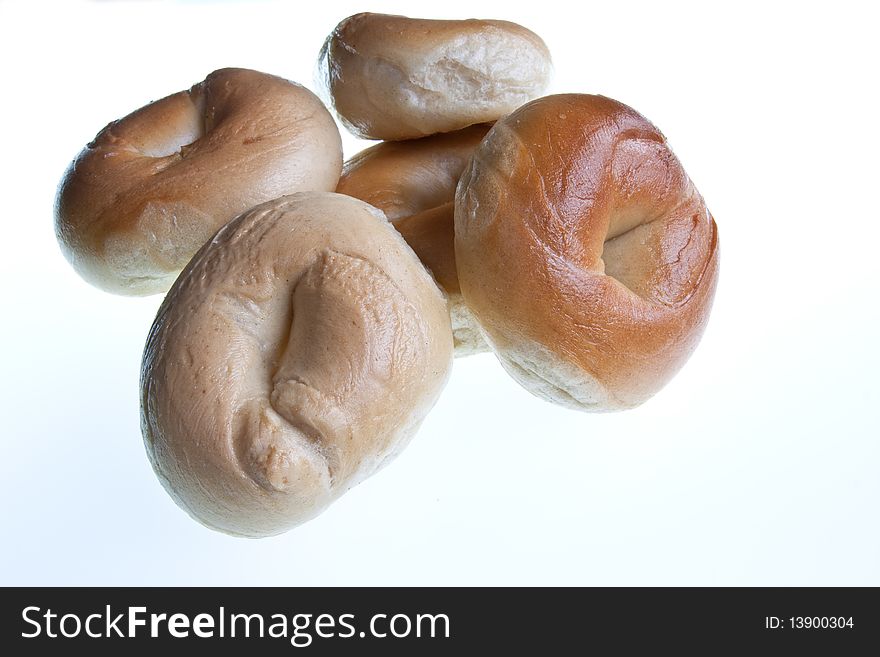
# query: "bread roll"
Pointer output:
{"type": "Point", "coordinates": [413, 182]}
{"type": "Point", "coordinates": [297, 353]}
{"type": "Point", "coordinates": [431, 234]}
{"type": "Point", "coordinates": [584, 251]}
{"type": "Point", "coordinates": [152, 187]}
{"type": "Point", "coordinates": [392, 77]}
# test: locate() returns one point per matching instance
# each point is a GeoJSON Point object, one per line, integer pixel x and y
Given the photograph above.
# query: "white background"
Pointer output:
{"type": "Point", "coordinates": [758, 464]}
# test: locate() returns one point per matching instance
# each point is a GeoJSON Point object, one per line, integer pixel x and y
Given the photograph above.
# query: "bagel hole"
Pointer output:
{"type": "Point", "coordinates": [659, 259]}
{"type": "Point", "coordinates": [628, 257]}
{"type": "Point", "coordinates": [186, 128]}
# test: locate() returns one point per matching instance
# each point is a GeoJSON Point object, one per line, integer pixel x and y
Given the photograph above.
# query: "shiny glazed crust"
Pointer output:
{"type": "Point", "coordinates": [584, 251]}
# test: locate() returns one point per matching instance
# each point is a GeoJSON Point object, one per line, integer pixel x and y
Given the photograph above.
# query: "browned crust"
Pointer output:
{"type": "Point", "coordinates": [142, 197]}
{"type": "Point", "coordinates": [556, 189]}
{"type": "Point", "coordinates": [413, 182]}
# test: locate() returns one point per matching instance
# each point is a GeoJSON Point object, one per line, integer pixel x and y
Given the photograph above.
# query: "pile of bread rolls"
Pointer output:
{"type": "Point", "coordinates": [314, 307]}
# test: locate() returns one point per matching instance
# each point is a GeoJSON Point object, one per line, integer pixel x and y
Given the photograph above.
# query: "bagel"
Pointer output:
{"type": "Point", "coordinates": [393, 77]}
{"type": "Point", "coordinates": [296, 354]}
{"type": "Point", "coordinates": [413, 182]}
{"type": "Point", "coordinates": [140, 199]}
{"type": "Point", "coordinates": [584, 251]}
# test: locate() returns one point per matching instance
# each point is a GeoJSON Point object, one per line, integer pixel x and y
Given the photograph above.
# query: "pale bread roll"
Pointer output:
{"type": "Point", "coordinates": [296, 354]}
{"type": "Point", "coordinates": [393, 77]}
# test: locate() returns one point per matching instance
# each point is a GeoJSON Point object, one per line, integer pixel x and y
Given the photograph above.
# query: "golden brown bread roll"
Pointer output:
{"type": "Point", "coordinates": [152, 187]}
{"type": "Point", "coordinates": [431, 234]}
{"type": "Point", "coordinates": [403, 178]}
{"type": "Point", "coordinates": [295, 355]}
{"type": "Point", "coordinates": [393, 77]}
{"type": "Point", "coordinates": [413, 182]}
{"type": "Point", "coordinates": [583, 249]}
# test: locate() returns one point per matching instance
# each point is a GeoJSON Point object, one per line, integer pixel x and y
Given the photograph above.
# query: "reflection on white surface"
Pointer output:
{"type": "Point", "coordinates": [756, 465]}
